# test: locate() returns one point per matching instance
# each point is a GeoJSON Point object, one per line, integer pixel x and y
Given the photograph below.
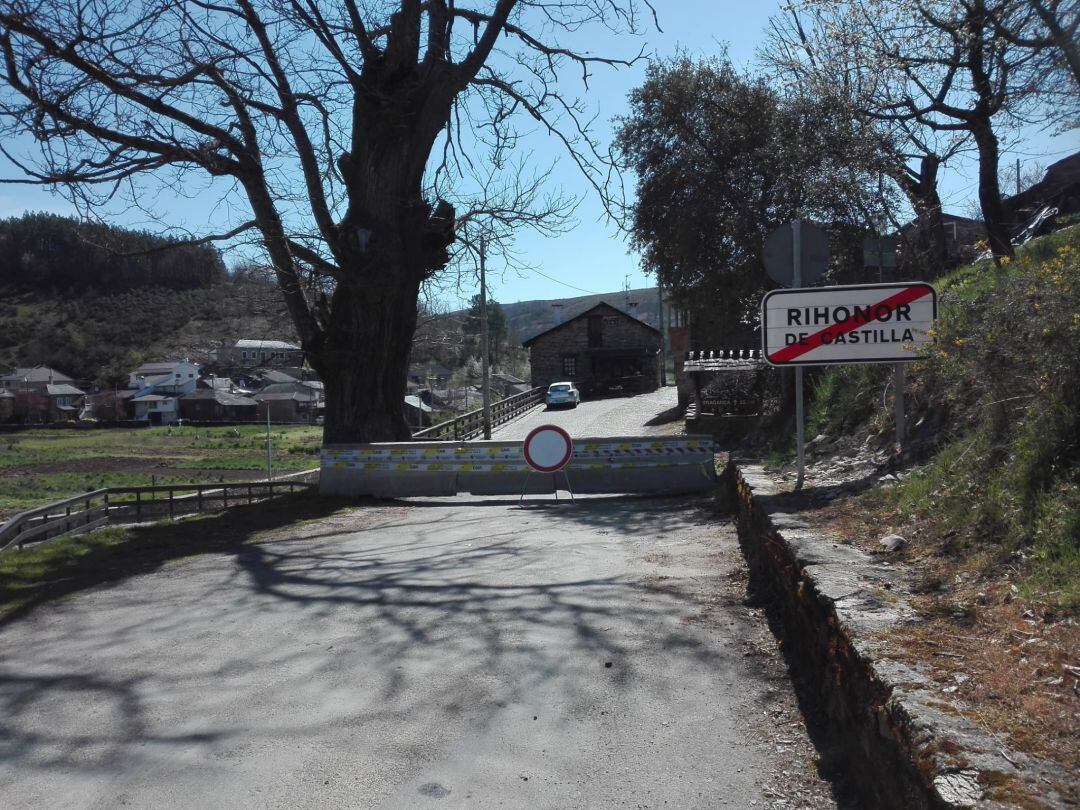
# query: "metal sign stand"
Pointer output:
{"type": "Point", "coordinates": [898, 404]}
{"type": "Point", "coordinates": [555, 484]}
{"type": "Point", "coordinates": [800, 430]}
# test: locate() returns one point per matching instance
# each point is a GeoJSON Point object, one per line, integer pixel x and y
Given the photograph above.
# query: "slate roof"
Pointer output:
{"type": "Point", "coordinates": [304, 391]}
{"type": "Point", "coordinates": [37, 374]}
{"type": "Point", "coordinates": [275, 345]}
{"type": "Point", "coordinates": [582, 314]}
{"type": "Point", "coordinates": [221, 397]}
{"type": "Point", "coordinates": [278, 396]}
{"type": "Point", "coordinates": [63, 389]}
{"type": "Point", "coordinates": [416, 402]}
{"type": "Point", "coordinates": [158, 368]}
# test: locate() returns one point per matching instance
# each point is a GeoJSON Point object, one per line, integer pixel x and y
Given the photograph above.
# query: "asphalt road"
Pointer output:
{"type": "Point", "coordinates": [455, 654]}
{"type": "Point", "coordinates": [614, 416]}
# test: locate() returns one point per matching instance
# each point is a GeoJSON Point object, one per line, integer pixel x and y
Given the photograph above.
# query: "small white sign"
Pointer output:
{"type": "Point", "coordinates": [860, 323]}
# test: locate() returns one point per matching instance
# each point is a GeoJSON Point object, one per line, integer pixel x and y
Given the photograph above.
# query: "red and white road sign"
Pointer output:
{"type": "Point", "coordinates": [859, 323]}
{"type": "Point", "coordinates": [548, 448]}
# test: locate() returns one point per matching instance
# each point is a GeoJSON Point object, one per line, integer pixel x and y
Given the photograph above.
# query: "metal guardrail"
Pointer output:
{"type": "Point", "coordinates": [470, 425]}
{"type": "Point", "coordinates": [100, 507]}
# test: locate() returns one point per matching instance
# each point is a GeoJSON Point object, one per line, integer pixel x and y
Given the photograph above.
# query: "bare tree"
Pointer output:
{"type": "Point", "coordinates": [816, 51]}
{"type": "Point", "coordinates": [345, 125]}
{"type": "Point", "coordinates": [1049, 28]}
{"type": "Point", "coordinates": [946, 66]}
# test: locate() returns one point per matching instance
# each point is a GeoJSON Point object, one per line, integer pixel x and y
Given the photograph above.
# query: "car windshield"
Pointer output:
{"type": "Point", "coordinates": [561, 389]}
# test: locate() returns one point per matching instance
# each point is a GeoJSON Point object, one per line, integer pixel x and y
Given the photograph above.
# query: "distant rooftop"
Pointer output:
{"type": "Point", "coordinates": [277, 345]}
{"type": "Point", "coordinates": [37, 374]}
{"type": "Point", "coordinates": [63, 389]}
{"type": "Point", "coordinates": [159, 368]}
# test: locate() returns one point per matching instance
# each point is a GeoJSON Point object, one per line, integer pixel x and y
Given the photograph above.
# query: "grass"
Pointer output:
{"type": "Point", "coordinates": [994, 417]}
{"type": "Point", "coordinates": [62, 567]}
{"type": "Point", "coordinates": [39, 466]}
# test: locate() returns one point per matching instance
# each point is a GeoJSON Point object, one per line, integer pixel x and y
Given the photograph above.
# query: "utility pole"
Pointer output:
{"type": "Point", "coordinates": [269, 448]}
{"type": "Point", "coordinates": [663, 335]}
{"type": "Point", "coordinates": [486, 371]}
{"type": "Point", "coordinates": [1018, 175]}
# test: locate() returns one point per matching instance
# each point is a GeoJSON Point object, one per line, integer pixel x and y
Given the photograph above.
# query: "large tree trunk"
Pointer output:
{"type": "Point", "coordinates": [391, 240]}
{"type": "Point", "coordinates": [997, 227]}
{"type": "Point", "coordinates": [364, 360]}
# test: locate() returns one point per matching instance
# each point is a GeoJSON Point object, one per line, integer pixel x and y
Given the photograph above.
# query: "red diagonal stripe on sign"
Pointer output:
{"type": "Point", "coordinates": [835, 330]}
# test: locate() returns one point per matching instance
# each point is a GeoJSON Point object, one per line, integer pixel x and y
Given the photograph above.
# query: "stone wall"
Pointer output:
{"type": "Point", "coordinates": [887, 727]}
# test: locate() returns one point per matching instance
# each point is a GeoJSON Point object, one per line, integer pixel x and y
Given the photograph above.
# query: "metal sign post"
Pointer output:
{"type": "Point", "coordinates": [898, 403]}
{"type": "Point", "coordinates": [800, 429]}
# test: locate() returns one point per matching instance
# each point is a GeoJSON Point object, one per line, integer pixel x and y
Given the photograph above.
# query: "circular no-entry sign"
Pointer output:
{"type": "Point", "coordinates": [548, 448]}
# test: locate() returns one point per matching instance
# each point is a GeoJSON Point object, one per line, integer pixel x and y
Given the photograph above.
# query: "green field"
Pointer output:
{"type": "Point", "coordinates": [40, 466]}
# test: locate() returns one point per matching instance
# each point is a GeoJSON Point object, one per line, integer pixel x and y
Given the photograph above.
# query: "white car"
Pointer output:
{"type": "Point", "coordinates": [562, 393]}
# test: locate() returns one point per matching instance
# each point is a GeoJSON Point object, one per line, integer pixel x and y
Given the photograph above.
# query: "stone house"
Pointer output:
{"type": "Point", "coordinates": [217, 405]}
{"type": "Point", "coordinates": [247, 353]}
{"type": "Point", "coordinates": [601, 349]}
{"type": "Point", "coordinates": [36, 379]}
{"type": "Point", "coordinates": [42, 394]}
{"type": "Point", "coordinates": [288, 402]}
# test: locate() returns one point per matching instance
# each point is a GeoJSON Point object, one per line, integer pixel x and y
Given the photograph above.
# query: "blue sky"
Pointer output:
{"type": "Point", "coordinates": [593, 257]}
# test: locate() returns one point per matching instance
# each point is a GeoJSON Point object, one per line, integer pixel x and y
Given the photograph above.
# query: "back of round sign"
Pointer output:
{"type": "Point", "coordinates": [548, 448]}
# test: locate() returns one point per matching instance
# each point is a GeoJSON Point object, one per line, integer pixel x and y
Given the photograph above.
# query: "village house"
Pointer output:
{"type": "Point", "coordinates": [288, 402]}
{"type": "Point", "coordinates": [247, 353]}
{"type": "Point", "coordinates": [33, 379]}
{"type": "Point", "coordinates": [600, 349]}
{"type": "Point", "coordinates": [41, 394]}
{"type": "Point", "coordinates": [217, 405]}
{"type": "Point", "coordinates": [158, 388]}
{"type": "Point", "coordinates": [429, 375]}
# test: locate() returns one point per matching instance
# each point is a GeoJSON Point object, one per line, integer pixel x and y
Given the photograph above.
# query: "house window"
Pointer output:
{"type": "Point", "coordinates": [596, 331]}
{"type": "Point", "coordinates": [244, 355]}
{"type": "Point", "coordinates": [569, 366]}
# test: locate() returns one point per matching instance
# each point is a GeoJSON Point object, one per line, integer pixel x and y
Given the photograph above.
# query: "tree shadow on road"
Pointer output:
{"type": "Point", "coordinates": [450, 611]}
{"type": "Point", "coordinates": [53, 570]}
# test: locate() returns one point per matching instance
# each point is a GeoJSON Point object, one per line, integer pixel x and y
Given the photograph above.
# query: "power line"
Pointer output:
{"type": "Point", "coordinates": [571, 286]}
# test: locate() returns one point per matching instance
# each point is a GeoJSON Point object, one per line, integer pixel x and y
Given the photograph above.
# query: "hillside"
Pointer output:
{"type": "Point", "coordinates": [95, 301]}
{"type": "Point", "coordinates": [993, 460]}
{"type": "Point", "coordinates": [527, 318]}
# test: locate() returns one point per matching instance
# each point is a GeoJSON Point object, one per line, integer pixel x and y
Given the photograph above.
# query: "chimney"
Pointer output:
{"type": "Point", "coordinates": [631, 308]}
{"type": "Point", "coordinates": [556, 310]}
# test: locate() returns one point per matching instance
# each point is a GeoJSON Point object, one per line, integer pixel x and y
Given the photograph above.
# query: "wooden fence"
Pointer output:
{"type": "Point", "coordinates": [112, 505]}
{"type": "Point", "coordinates": [470, 425]}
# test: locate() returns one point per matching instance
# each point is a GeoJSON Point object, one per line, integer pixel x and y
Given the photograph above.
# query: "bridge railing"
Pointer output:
{"type": "Point", "coordinates": [117, 505]}
{"type": "Point", "coordinates": [722, 360]}
{"type": "Point", "coordinates": [471, 424]}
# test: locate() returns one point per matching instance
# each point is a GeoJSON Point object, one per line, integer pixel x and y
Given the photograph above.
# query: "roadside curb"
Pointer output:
{"type": "Point", "coordinates": [902, 745]}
